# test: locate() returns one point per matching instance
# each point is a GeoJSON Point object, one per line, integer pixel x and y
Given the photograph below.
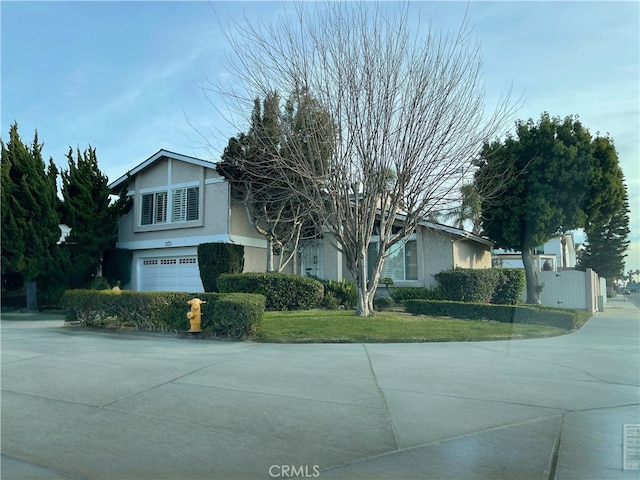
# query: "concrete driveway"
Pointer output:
{"type": "Point", "coordinates": [89, 405]}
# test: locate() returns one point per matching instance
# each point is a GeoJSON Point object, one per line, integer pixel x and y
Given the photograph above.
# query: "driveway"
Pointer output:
{"type": "Point", "coordinates": [91, 405]}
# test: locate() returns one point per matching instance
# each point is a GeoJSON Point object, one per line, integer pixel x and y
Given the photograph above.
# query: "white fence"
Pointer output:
{"type": "Point", "coordinates": [572, 289]}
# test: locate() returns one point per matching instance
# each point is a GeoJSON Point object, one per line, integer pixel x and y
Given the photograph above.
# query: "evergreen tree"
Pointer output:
{"type": "Point", "coordinates": [273, 196]}
{"type": "Point", "coordinates": [88, 209]}
{"type": "Point", "coordinates": [29, 214]}
{"type": "Point", "coordinates": [565, 180]}
{"type": "Point", "coordinates": [606, 245]}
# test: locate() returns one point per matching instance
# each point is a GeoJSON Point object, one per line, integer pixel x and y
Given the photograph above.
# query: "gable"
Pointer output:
{"type": "Point", "coordinates": [164, 161]}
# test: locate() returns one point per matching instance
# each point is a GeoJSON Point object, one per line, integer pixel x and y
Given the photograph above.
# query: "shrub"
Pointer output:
{"type": "Point", "coordinates": [344, 291]}
{"type": "Point", "coordinates": [510, 286]}
{"type": "Point", "coordinates": [567, 319]}
{"type": "Point", "coordinates": [467, 285]}
{"type": "Point", "coordinates": [383, 303]}
{"type": "Point", "coordinates": [400, 294]}
{"type": "Point", "coordinates": [283, 291]}
{"type": "Point", "coordinates": [164, 311]}
{"type": "Point", "coordinates": [214, 259]}
{"type": "Point", "coordinates": [99, 283]}
{"type": "Point", "coordinates": [238, 314]}
{"type": "Point", "coordinates": [330, 302]}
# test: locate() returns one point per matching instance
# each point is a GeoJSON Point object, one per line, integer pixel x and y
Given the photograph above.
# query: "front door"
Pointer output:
{"type": "Point", "coordinates": [312, 259]}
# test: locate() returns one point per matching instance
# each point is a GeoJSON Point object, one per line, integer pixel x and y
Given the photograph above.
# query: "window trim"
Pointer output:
{"type": "Point", "coordinates": [170, 221]}
{"type": "Point", "coordinates": [402, 245]}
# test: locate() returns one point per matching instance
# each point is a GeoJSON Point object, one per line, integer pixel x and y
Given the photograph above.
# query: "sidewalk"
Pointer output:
{"type": "Point", "coordinates": [87, 405]}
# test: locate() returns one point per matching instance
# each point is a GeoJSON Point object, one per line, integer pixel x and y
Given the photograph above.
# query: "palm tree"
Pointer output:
{"type": "Point", "coordinates": [469, 209]}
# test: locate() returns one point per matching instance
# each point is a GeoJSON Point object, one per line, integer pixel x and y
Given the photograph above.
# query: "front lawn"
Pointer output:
{"type": "Point", "coordinates": [342, 326]}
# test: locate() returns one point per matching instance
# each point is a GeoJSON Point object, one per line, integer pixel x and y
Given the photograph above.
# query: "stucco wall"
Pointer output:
{"type": "Point", "coordinates": [471, 255]}
{"type": "Point", "coordinates": [211, 226]}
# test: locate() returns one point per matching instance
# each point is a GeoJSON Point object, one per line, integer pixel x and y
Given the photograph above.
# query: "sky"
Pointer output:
{"type": "Point", "coordinates": [127, 77]}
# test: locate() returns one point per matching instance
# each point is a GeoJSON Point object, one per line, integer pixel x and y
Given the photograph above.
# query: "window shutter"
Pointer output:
{"type": "Point", "coordinates": [192, 203]}
{"type": "Point", "coordinates": [179, 205]}
{"type": "Point", "coordinates": [147, 210]}
{"type": "Point", "coordinates": [161, 207]}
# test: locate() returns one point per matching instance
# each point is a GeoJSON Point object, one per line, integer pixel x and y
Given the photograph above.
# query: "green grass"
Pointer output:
{"type": "Point", "coordinates": [342, 326]}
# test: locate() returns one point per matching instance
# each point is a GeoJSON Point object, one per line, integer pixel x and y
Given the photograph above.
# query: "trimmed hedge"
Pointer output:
{"type": "Point", "coordinates": [383, 303]}
{"type": "Point", "coordinates": [282, 291]}
{"type": "Point", "coordinates": [534, 315]}
{"type": "Point", "coordinates": [214, 259]}
{"type": "Point", "coordinates": [468, 285]}
{"type": "Point", "coordinates": [230, 315]}
{"type": "Point", "coordinates": [400, 294]}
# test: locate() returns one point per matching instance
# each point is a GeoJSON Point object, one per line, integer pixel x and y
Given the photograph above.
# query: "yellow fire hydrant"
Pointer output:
{"type": "Point", "coordinates": [195, 315]}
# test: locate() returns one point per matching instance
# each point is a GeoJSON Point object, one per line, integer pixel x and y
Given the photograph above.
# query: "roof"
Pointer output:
{"type": "Point", "coordinates": [154, 158]}
{"type": "Point", "coordinates": [456, 232]}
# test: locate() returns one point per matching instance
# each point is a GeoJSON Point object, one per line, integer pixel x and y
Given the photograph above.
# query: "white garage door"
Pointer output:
{"type": "Point", "coordinates": [170, 274]}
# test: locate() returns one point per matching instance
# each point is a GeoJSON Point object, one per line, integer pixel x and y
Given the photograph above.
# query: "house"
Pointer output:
{"type": "Point", "coordinates": [180, 202]}
{"type": "Point", "coordinates": [559, 253]}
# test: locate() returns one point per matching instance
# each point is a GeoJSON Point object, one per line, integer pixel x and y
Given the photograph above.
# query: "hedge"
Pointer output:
{"type": "Point", "coordinates": [468, 285]}
{"type": "Point", "coordinates": [400, 294]}
{"type": "Point", "coordinates": [282, 291]}
{"type": "Point", "coordinates": [534, 315]}
{"type": "Point", "coordinates": [230, 315]}
{"type": "Point", "coordinates": [510, 286]}
{"type": "Point", "coordinates": [215, 259]}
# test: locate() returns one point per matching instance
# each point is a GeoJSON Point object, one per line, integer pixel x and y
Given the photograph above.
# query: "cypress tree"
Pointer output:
{"type": "Point", "coordinates": [29, 209]}
{"type": "Point", "coordinates": [88, 209]}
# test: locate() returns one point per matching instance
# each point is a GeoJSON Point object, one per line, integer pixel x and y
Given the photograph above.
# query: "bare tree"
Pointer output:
{"type": "Point", "coordinates": [407, 113]}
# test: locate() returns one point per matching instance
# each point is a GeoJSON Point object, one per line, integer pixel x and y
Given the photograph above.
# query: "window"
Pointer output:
{"type": "Point", "coordinates": [401, 263]}
{"type": "Point", "coordinates": [185, 204]}
{"type": "Point", "coordinates": [154, 208]}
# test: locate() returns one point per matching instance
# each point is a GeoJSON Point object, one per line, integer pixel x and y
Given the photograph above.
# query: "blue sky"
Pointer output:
{"type": "Point", "coordinates": [125, 76]}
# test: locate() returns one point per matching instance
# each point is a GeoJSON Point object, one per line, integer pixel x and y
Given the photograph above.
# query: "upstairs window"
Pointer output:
{"type": "Point", "coordinates": [185, 205]}
{"type": "Point", "coordinates": [154, 208]}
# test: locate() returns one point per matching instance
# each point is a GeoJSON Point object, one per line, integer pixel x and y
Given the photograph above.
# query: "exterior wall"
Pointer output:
{"type": "Point", "coordinates": [435, 251]}
{"type": "Point", "coordinates": [240, 230]}
{"type": "Point", "coordinates": [255, 259]}
{"type": "Point", "coordinates": [212, 225]}
{"type": "Point", "coordinates": [471, 255]}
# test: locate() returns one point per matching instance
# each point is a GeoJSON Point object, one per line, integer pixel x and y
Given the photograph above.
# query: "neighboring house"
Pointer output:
{"type": "Point", "coordinates": [180, 202]}
{"type": "Point", "coordinates": [65, 230]}
{"type": "Point", "coordinates": [559, 253]}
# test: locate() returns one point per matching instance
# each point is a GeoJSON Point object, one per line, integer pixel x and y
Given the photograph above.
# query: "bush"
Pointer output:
{"type": "Point", "coordinates": [283, 291]}
{"type": "Point", "coordinates": [567, 319]}
{"type": "Point", "coordinates": [164, 311]}
{"type": "Point", "coordinates": [343, 291]}
{"type": "Point", "coordinates": [467, 285]}
{"type": "Point", "coordinates": [214, 259]}
{"type": "Point", "coordinates": [510, 286]}
{"type": "Point", "coordinates": [238, 314]}
{"type": "Point", "coordinates": [99, 283]}
{"type": "Point", "coordinates": [330, 302]}
{"type": "Point", "coordinates": [383, 303]}
{"type": "Point", "coordinates": [400, 294]}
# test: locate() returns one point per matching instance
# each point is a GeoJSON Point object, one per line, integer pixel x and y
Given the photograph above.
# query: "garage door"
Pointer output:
{"type": "Point", "coordinates": [170, 274]}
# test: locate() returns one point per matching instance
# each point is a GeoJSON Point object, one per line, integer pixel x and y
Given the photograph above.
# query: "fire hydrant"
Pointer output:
{"type": "Point", "coordinates": [195, 315]}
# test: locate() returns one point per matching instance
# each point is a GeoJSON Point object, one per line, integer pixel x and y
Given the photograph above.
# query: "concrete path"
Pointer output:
{"type": "Point", "coordinates": [80, 404]}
